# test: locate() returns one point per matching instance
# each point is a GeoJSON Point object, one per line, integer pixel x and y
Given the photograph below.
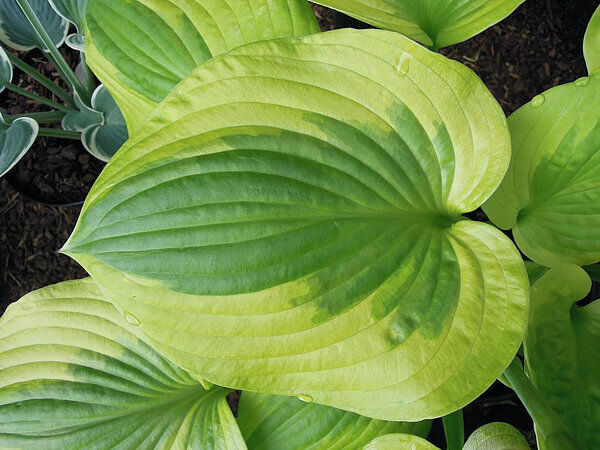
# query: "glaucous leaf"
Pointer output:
{"type": "Point", "coordinates": [288, 221]}
{"type": "Point", "coordinates": [591, 43]}
{"type": "Point", "coordinates": [6, 69]}
{"type": "Point", "coordinates": [562, 350]}
{"type": "Point", "coordinates": [436, 23]}
{"type": "Point", "coordinates": [141, 49]}
{"type": "Point", "coordinates": [71, 10]}
{"type": "Point", "coordinates": [550, 196]}
{"type": "Point", "coordinates": [74, 12]}
{"type": "Point", "coordinates": [15, 139]}
{"type": "Point", "coordinates": [17, 32]}
{"type": "Point", "coordinates": [76, 373]}
{"type": "Point", "coordinates": [278, 422]}
{"type": "Point", "coordinates": [496, 436]}
{"type": "Point", "coordinates": [399, 441]}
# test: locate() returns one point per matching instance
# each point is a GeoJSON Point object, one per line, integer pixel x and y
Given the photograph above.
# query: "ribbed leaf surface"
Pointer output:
{"type": "Point", "coordinates": [288, 221]}
{"type": "Point", "coordinates": [141, 49]}
{"type": "Point", "coordinates": [277, 422]}
{"type": "Point", "coordinates": [436, 23]}
{"type": "Point", "coordinates": [550, 196]}
{"type": "Point", "coordinates": [496, 436]}
{"type": "Point", "coordinates": [75, 374]}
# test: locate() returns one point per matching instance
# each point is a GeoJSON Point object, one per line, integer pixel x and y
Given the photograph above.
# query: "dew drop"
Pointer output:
{"type": "Point", "coordinates": [305, 398]}
{"type": "Point", "coordinates": [403, 65]}
{"type": "Point", "coordinates": [538, 100]}
{"type": "Point", "coordinates": [131, 319]}
{"type": "Point", "coordinates": [582, 82]}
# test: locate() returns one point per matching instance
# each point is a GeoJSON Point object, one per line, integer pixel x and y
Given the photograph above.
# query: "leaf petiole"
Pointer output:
{"type": "Point", "coordinates": [43, 80]}
{"type": "Point", "coordinates": [37, 98]}
{"type": "Point", "coordinates": [55, 132]}
{"type": "Point", "coordinates": [454, 430]}
{"type": "Point", "coordinates": [52, 52]}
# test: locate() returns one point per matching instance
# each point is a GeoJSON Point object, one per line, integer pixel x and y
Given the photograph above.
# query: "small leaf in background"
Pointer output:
{"type": "Point", "coordinates": [104, 140]}
{"type": "Point", "coordinates": [76, 373]}
{"type": "Point", "coordinates": [6, 69]}
{"type": "Point", "coordinates": [277, 422]}
{"type": "Point", "coordinates": [550, 196]}
{"type": "Point", "coordinates": [103, 128]}
{"type": "Point", "coordinates": [17, 32]}
{"type": "Point", "coordinates": [139, 72]}
{"type": "Point", "coordinates": [436, 23]}
{"type": "Point", "coordinates": [496, 436]}
{"type": "Point", "coordinates": [291, 216]}
{"type": "Point", "coordinates": [591, 43]}
{"type": "Point", "coordinates": [15, 139]}
{"type": "Point", "coordinates": [73, 11]}
{"type": "Point", "coordinates": [562, 351]}
{"type": "Point", "coordinates": [400, 441]}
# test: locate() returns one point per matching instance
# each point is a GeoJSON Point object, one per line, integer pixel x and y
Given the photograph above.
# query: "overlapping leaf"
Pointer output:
{"type": "Point", "coordinates": [562, 351]}
{"type": "Point", "coordinates": [74, 373]}
{"type": "Point", "coordinates": [550, 196]}
{"type": "Point", "coordinates": [400, 441]}
{"type": "Point", "coordinates": [277, 422]}
{"type": "Point", "coordinates": [141, 49]}
{"type": "Point", "coordinates": [288, 221]}
{"type": "Point", "coordinates": [496, 436]}
{"type": "Point", "coordinates": [73, 11]}
{"type": "Point", "coordinates": [437, 23]}
{"type": "Point", "coordinates": [591, 43]}
{"type": "Point", "coordinates": [16, 138]}
{"type": "Point", "coordinates": [17, 32]}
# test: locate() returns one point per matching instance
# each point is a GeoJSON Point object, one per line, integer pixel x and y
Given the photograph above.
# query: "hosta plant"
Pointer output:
{"type": "Point", "coordinates": [85, 112]}
{"type": "Point", "coordinates": [288, 218]}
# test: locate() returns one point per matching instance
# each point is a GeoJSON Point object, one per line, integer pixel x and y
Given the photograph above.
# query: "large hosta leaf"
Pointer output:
{"type": "Point", "coordinates": [550, 196]}
{"type": "Point", "coordinates": [277, 422]}
{"type": "Point", "coordinates": [562, 350]}
{"type": "Point", "coordinates": [496, 436]}
{"type": "Point", "coordinates": [18, 33]}
{"type": "Point", "coordinates": [74, 373]}
{"type": "Point", "coordinates": [141, 49]}
{"type": "Point", "coordinates": [437, 23]}
{"type": "Point", "coordinates": [288, 221]}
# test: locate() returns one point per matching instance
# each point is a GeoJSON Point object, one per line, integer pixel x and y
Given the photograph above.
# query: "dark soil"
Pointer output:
{"type": "Point", "coordinates": [537, 47]}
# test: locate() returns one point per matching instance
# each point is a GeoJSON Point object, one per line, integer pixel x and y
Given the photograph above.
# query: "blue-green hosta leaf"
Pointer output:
{"type": "Point", "coordinates": [277, 422]}
{"type": "Point", "coordinates": [103, 128]}
{"type": "Point", "coordinates": [437, 23]}
{"type": "Point", "coordinates": [17, 32]}
{"type": "Point", "coordinates": [399, 441]}
{"type": "Point", "coordinates": [76, 42]}
{"type": "Point", "coordinates": [562, 350]}
{"type": "Point", "coordinates": [6, 69]}
{"type": "Point", "coordinates": [141, 49]}
{"type": "Point", "coordinates": [74, 12]}
{"type": "Point", "coordinates": [288, 222]}
{"type": "Point", "coordinates": [550, 196]}
{"type": "Point", "coordinates": [591, 43]}
{"type": "Point", "coordinates": [15, 139]}
{"type": "Point", "coordinates": [74, 373]}
{"type": "Point", "coordinates": [496, 436]}
{"type": "Point", "coordinates": [71, 10]}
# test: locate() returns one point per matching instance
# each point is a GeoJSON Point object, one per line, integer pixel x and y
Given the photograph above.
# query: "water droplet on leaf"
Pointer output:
{"type": "Point", "coordinates": [403, 65]}
{"type": "Point", "coordinates": [582, 82]}
{"type": "Point", "coordinates": [538, 101]}
{"type": "Point", "coordinates": [131, 319]}
{"type": "Point", "coordinates": [305, 398]}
